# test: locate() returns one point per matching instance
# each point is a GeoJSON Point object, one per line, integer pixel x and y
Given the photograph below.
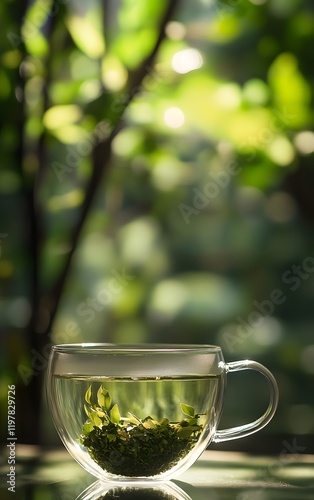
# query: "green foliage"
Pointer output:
{"type": "Point", "coordinates": [131, 446]}
{"type": "Point", "coordinates": [206, 197]}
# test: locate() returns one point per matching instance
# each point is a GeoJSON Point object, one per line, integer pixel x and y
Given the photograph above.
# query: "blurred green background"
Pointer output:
{"type": "Point", "coordinates": [156, 186]}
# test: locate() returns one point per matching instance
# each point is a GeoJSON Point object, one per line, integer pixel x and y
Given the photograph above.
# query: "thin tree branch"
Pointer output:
{"type": "Point", "coordinates": [101, 159]}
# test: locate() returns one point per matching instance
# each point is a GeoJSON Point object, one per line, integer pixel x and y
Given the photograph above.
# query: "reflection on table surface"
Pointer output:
{"type": "Point", "coordinates": [47, 475]}
{"type": "Point", "coordinates": [163, 491]}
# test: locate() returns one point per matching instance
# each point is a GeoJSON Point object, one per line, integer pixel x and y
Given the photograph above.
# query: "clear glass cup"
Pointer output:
{"type": "Point", "coordinates": [144, 412]}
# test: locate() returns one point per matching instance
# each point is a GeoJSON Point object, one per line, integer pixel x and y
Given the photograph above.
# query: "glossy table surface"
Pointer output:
{"type": "Point", "coordinates": [46, 475]}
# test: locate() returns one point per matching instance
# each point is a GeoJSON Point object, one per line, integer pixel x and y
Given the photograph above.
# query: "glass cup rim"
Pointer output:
{"type": "Point", "coordinates": [151, 348]}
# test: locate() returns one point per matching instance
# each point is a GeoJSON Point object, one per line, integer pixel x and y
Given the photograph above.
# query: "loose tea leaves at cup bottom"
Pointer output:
{"type": "Point", "coordinates": [134, 447]}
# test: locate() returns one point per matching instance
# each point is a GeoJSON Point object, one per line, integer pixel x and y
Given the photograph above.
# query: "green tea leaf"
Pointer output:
{"type": "Point", "coordinates": [115, 414]}
{"type": "Point", "coordinates": [87, 411]}
{"type": "Point", "coordinates": [101, 396]}
{"type": "Point", "coordinates": [133, 419]}
{"type": "Point", "coordinates": [111, 437]}
{"type": "Point", "coordinates": [184, 432]}
{"type": "Point", "coordinates": [164, 421]}
{"type": "Point", "coordinates": [87, 428]}
{"type": "Point", "coordinates": [88, 395]}
{"type": "Point", "coordinates": [149, 424]}
{"type": "Point", "coordinates": [191, 421]}
{"type": "Point", "coordinates": [104, 398]}
{"type": "Point", "coordinates": [95, 420]}
{"type": "Point", "coordinates": [108, 400]}
{"type": "Point", "coordinates": [86, 34]}
{"type": "Point", "coordinates": [123, 435]}
{"type": "Point", "coordinates": [187, 410]}
{"type": "Point", "coordinates": [195, 428]}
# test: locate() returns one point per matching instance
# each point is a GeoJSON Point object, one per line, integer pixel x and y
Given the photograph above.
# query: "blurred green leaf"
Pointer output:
{"type": "Point", "coordinates": [86, 36]}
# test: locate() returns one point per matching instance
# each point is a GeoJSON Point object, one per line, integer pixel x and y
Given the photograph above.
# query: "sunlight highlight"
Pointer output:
{"type": "Point", "coordinates": [175, 30]}
{"type": "Point", "coordinates": [58, 116]}
{"type": "Point", "coordinates": [281, 151]}
{"type": "Point", "coordinates": [304, 142]}
{"type": "Point", "coordinates": [187, 60]}
{"type": "Point", "coordinates": [114, 74]}
{"type": "Point", "coordinates": [228, 96]}
{"type": "Point", "coordinates": [174, 117]}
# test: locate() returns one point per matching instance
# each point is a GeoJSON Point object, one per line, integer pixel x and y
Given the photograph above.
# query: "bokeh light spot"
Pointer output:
{"type": "Point", "coordinates": [169, 297]}
{"type": "Point", "coordinates": [187, 60]}
{"type": "Point", "coordinates": [167, 174]}
{"type": "Point", "coordinates": [58, 116]}
{"type": "Point", "coordinates": [175, 30]}
{"type": "Point", "coordinates": [281, 151]}
{"type": "Point", "coordinates": [114, 74]}
{"type": "Point", "coordinates": [174, 117]}
{"type": "Point", "coordinates": [304, 142]}
{"type": "Point", "coordinates": [269, 333]}
{"type": "Point", "coordinates": [256, 92]}
{"type": "Point", "coordinates": [229, 96]}
{"type": "Point", "coordinates": [19, 312]}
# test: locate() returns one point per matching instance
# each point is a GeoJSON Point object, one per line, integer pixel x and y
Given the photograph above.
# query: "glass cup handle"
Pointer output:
{"type": "Point", "coordinates": [246, 430]}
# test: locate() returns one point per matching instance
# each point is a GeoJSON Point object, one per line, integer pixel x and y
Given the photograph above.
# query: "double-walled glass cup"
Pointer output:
{"type": "Point", "coordinates": [143, 412]}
